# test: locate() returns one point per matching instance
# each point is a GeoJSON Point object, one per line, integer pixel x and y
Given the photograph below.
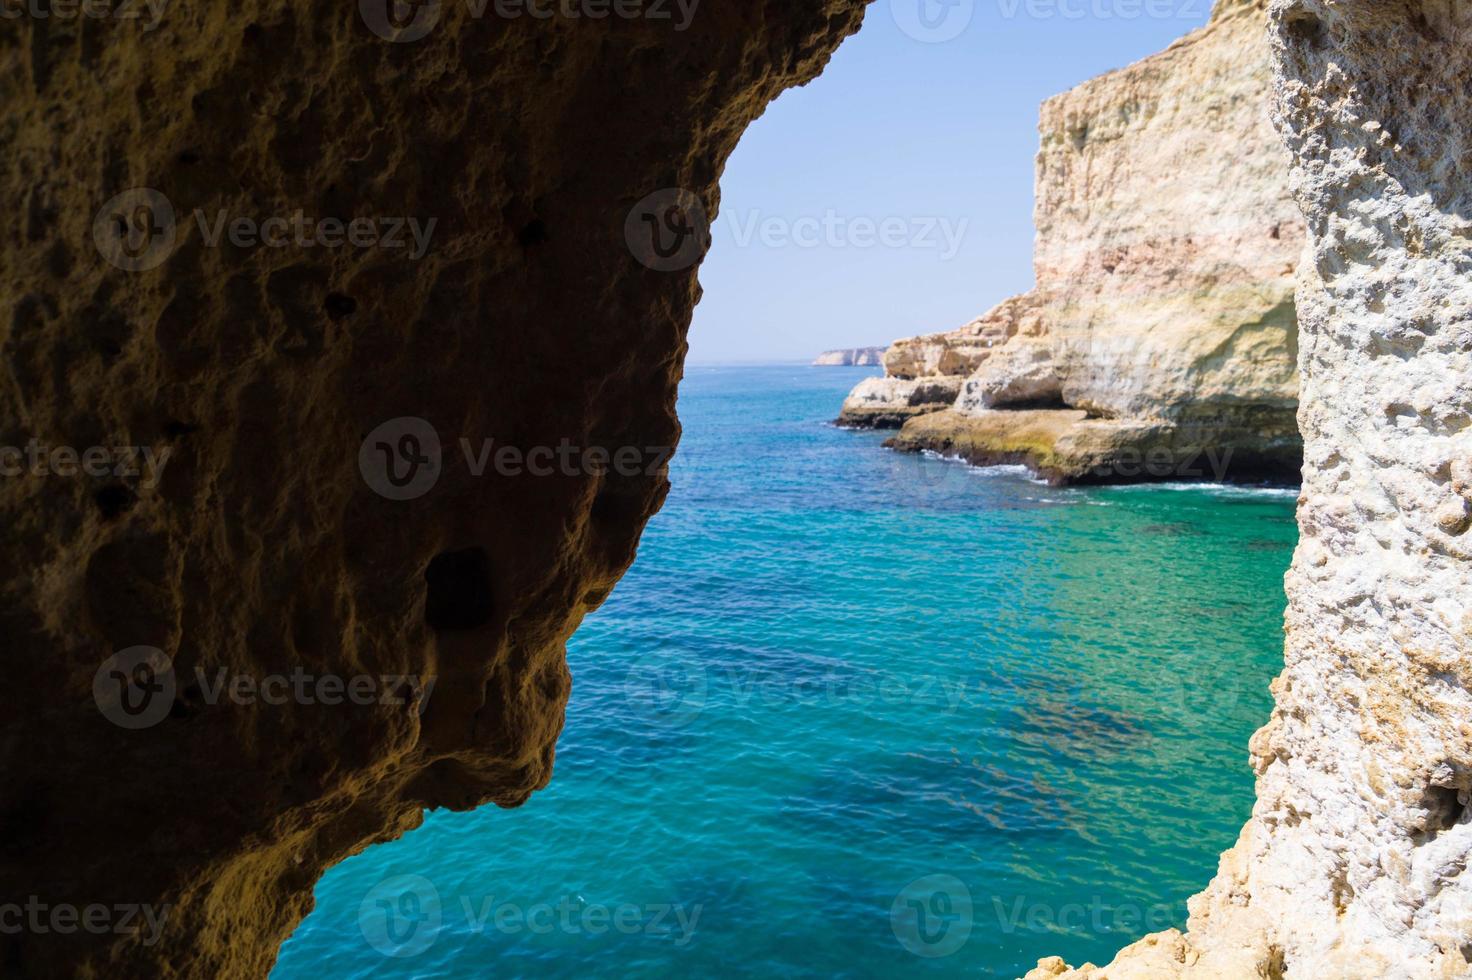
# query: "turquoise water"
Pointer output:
{"type": "Point", "coordinates": [859, 714]}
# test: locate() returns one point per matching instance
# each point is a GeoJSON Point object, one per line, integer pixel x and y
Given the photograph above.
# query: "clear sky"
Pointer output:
{"type": "Point", "coordinates": [893, 195]}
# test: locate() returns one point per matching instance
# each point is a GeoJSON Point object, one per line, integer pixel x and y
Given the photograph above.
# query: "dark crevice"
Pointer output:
{"type": "Point", "coordinates": [1306, 29]}
{"type": "Point", "coordinates": [534, 233]}
{"type": "Point", "coordinates": [459, 590]}
{"type": "Point", "coordinates": [114, 500]}
{"type": "Point", "coordinates": [339, 305]}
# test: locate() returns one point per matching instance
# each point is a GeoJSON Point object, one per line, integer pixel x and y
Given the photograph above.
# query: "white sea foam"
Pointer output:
{"type": "Point", "coordinates": [1218, 489]}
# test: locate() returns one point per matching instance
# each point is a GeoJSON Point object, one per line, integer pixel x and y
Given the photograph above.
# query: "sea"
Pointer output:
{"type": "Point", "coordinates": [854, 713]}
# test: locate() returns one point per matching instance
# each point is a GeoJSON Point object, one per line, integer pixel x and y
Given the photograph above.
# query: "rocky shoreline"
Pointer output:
{"type": "Point", "coordinates": [1067, 447]}
{"type": "Point", "coordinates": [1163, 329]}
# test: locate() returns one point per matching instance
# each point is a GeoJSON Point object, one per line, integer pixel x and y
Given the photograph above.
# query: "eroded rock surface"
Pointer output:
{"type": "Point", "coordinates": [1164, 262]}
{"type": "Point", "coordinates": [1355, 862]}
{"type": "Point", "coordinates": [936, 365]}
{"type": "Point", "coordinates": [262, 368]}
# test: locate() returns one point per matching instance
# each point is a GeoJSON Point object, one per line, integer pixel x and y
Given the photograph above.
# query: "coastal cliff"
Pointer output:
{"type": "Point", "coordinates": [852, 357]}
{"type": "Point", "coordinates": [1355, 862]}
{"type": "Point", "coordinates": [1162, 326]}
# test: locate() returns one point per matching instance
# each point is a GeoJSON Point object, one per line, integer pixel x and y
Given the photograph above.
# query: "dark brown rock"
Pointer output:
{"type": "Point", "coordinates": [262, 549]}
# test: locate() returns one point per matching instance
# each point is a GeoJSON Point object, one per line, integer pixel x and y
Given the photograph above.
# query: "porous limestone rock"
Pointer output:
{"type": "Point", "coordinates": [1020, 374]}
{"type": "Point", "coordinates": [942, 361]}
{"type": "Point", "coordinates": [1166, 235]}
{"type": "Point", "coordinates": [1355, 862]}
{"type": "Point", "coordinates": [1164, 260]}
{"type": "Point", "coordinates": [261, 368]}
{"type": "Point", "coordinates": [887, 403]}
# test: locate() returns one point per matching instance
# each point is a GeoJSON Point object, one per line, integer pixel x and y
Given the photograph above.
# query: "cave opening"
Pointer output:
{"type": "Point", "coordinates": [848, 702]}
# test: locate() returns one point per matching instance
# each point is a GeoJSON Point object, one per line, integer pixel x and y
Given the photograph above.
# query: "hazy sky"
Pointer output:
{"type": "Point", "coordinates": [893, 196]}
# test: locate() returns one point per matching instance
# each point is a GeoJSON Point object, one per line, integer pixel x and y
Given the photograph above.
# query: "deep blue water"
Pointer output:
{"type": "Point", "coordinates": [859, 714]}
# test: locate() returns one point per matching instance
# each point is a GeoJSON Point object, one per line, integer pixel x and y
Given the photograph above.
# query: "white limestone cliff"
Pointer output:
{"type": "Point", "coordinates": [1354, 864]}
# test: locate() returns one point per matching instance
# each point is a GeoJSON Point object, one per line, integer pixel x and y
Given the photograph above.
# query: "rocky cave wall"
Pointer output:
{"type": "Point", "coordinates": [1355, 862]}
{"type": "Point", "coordinates": [262, 371]}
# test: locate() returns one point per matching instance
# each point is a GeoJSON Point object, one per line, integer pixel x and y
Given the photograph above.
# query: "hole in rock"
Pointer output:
{"type": "Point", "coordinates": [1307, 30]}
{"type": "Point", "coordinates": [1444, 808]}
{"type": "Point", "coordinates": [459, 590]}
{"type": "Point", "coordinates": [339, 305]}
{"type": "Point", "coordinates": [534, 233]}
{"type": "Point", "coordinates": [114, 500]}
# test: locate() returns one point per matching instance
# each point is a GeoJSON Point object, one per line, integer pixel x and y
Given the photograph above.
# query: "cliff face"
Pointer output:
{"type": "Point", "coordinates": [316, 513]}
{"type": "Point", "coordinates": [1167, 237]}
{"type": "Point", "coordinates": [1164, 261]}
{"type": "Point", "coordinates": [1355, 862]}
{"type": "Point", "coordinates": [852, 357]}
